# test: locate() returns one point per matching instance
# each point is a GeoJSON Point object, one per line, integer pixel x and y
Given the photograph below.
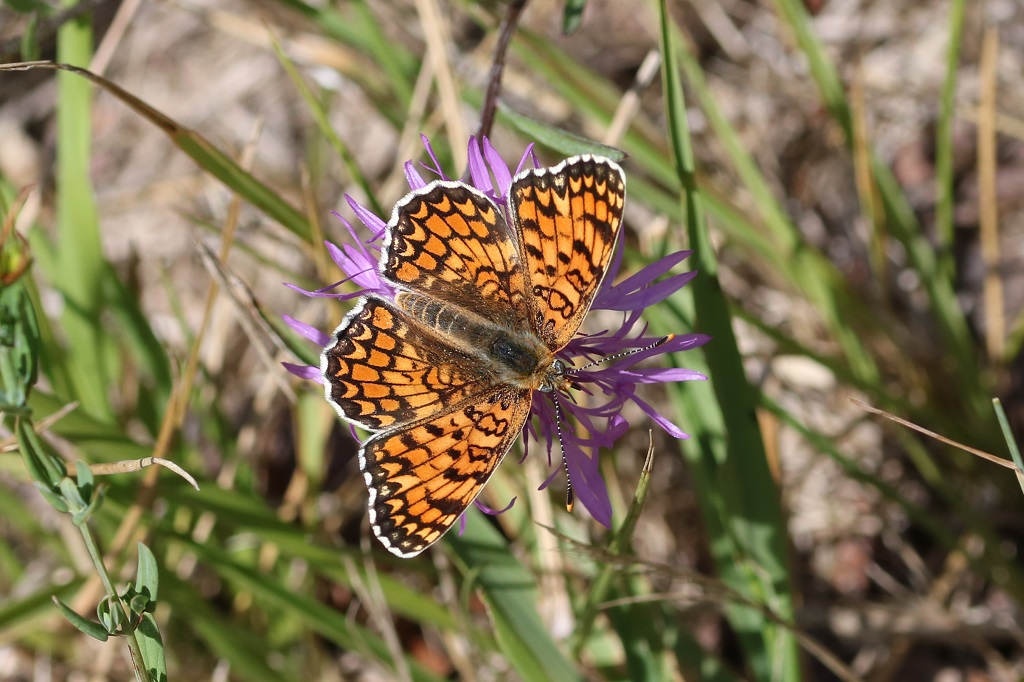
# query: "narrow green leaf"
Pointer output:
{"type": "Point", "coordinates": [316, 615]}
{"type": "Point", "coordinates": [207, 156]}
{"type": "Point", "coordinates": [55, 500]}
{"type": "Point", "coordinates": [80, 260]}
{"type": "Point", "coordinates": [91, 628]}
{"type": "Point", "coordinates": [727, 454]}
{"type": "Point", "coordinates": [85, 479]}
{"type": "Point", "coordinates": [110, 614]}
{"type": "Point", "coordinates": [1004, 426]}
{"type": "Point", "coordinates": [147, 575]}
{"type": "Point", "coordinates": [93, 503]}
{"type": "Point", "coordinates": [43, 464]}
{"type": "Point", "coordinates": [510, 593]}
{"type": "Point", "coordinates": [557, 139]}
{"type": "Point", "coordinates": [944, 141]}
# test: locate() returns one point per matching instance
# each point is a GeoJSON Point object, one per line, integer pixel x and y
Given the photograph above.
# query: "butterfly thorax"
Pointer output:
{"type": "Point", "coordinates": [517, 357]}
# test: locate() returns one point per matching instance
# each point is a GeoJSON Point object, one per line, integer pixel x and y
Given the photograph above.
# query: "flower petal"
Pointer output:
{"type": "Point", "coordinates": [306, 331]}
{"type": "Point", "coordinates": [368, 218]}
{"type": "Point", "coordinates": [304, 372]}
{"type": "Point", "coordinates": [493, 512]}
{"type": "Point", "coordinates": [433, 157]}
{"type": "Point", "coordinates": [478, 174]}
{"type": "Point", "coordinates": [670, 428]}
{"type": "Point", "coordinates": [587, 484]}
{"type": "Point", "coordinates": [413, 177]}
{"type": "Point", "coordinates": [502, 175]}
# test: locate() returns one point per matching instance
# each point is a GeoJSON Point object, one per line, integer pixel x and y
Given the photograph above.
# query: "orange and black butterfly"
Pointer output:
{"type": "Point", "coordinates": [443, 375]}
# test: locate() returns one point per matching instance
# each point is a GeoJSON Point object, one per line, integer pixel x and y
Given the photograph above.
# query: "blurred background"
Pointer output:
{"type": "Point", "coordinates": [860, 166]}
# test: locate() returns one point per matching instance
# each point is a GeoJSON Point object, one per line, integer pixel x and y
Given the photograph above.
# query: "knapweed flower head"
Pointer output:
{"type": "Point", "coordinates": [602, 371]}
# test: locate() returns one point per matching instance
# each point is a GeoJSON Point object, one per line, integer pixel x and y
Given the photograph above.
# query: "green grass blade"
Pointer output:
{"type": "Point", "coordinates": [740, 499]}
{"type": "Point", "coordinates": [510, 592]}
{"type": "Point", "coordinates": [80, 262]}
{"type": "Point", "coordinates": [944, 141]}
{"type": "Point", "coordinates": [555, 138]}
{"type": "Point", "coordinates": [327, 130]}
{"type": "Point", "coordinates": [319, 617]}
{"type": "Point", "coordinates": [810, 272]}
{"type": "Point", "coordinates": [207, 156]}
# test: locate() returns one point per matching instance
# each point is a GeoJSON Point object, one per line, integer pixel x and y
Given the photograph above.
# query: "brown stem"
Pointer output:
{"type": "Point", "coordinates": [508, 26]}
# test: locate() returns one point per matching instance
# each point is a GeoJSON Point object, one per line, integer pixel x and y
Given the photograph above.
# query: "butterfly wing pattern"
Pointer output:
{"type": "Point", "coordinates": [566, 219]}
{"type": "Point", "coordinates": [443, 377]}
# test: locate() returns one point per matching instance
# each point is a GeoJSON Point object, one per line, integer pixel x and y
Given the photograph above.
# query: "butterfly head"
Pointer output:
{"type": "Point", "coordinates": [557, 378]}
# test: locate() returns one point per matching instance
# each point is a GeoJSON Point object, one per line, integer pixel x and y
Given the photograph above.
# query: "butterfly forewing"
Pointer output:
{"type": "Point", "coordinates": [450, 241]}
{"type": "Point", "coordinates": [566, 219]}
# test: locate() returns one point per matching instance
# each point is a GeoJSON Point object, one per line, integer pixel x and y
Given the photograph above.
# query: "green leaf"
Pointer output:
{"type": "Point", "coordinates": [559, 140]}
{"type": "Point", "coordinates": [138, 604]}
{"type": "Point", "coordinates": [69, 489]}
{"type": "Point", "coordinates": [147, 576]}
{"type": "Point", "coordinates": [19, 341]}
{"type": "Point", "coordinates": [151, 644]}
{"type": "Point", "coordinates": [55, 500]}
{"type": "Point", "coordinates": [94, 501]}
{"type": "Point", "coordinates": [110, 614]}
{"type": "Point", "coordinates": [45, 467]}
{"type": "Point", "coordinates": [85, 479]}
{"type": "Point", "coordinates": [91, 628]}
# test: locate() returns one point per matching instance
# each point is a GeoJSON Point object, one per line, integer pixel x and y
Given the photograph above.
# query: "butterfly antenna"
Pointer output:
{"type": "Point", "coordinates": [570, 499]}
{"type": "Point", "coordinates": [623, 354]}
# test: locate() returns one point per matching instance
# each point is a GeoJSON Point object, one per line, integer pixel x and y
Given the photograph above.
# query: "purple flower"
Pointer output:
{"type": "Point", "coordinates": [603, 367]}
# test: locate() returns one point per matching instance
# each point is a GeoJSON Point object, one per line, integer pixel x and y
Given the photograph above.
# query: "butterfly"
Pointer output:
{"type": "Point", "coordinates": [443, 374]}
